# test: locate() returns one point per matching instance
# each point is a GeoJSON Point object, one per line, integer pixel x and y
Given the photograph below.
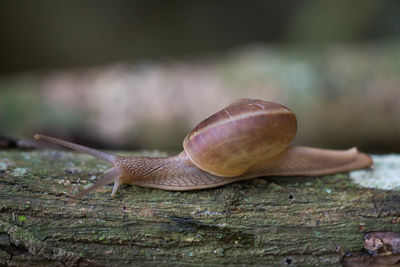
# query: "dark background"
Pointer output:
{"type": "Point", "coordinates": [42, 35]}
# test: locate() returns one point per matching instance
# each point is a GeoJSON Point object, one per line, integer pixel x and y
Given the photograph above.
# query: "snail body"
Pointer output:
{"type": "Point", "coordinates": [247, 139]}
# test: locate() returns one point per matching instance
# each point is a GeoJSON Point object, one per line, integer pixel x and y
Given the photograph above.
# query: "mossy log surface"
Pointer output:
{"type": "Point", "coordinates": [264, 221]}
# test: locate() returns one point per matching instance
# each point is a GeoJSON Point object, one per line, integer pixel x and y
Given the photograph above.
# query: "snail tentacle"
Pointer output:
{"type": "Point", "coordinates": [113, 175]}
{"type": "Point", "coordinates": [111, 158]}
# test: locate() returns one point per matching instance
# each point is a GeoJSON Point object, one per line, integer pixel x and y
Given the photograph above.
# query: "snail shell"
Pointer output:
{"type": "Point", "coordinates": [229, 142]}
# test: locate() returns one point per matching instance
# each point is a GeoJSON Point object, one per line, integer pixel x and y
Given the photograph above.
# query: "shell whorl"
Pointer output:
{"type": "Point", "coordinates": [230, 141]}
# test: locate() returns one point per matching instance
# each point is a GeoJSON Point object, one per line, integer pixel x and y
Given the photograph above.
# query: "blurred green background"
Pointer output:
{"type": "Point", "coordinates": [142, 74]}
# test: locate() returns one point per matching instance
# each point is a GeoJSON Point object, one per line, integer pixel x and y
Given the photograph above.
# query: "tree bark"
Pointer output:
{"type": "Point", "coordinates": [264, 221]}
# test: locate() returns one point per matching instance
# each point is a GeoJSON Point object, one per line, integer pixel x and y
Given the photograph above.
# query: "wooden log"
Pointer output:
{"type": "Point", "coordinates": [264, 221]}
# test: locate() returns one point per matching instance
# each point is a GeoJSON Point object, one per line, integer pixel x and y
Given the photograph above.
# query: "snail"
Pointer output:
{"type": "Point", "coordinates": [247, 139]}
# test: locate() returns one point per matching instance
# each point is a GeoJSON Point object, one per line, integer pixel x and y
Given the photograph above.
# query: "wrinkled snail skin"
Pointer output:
{"type": "Point", "coordinates": [180, 174]}
{"type": "Point", "coordinates": [247, 139]}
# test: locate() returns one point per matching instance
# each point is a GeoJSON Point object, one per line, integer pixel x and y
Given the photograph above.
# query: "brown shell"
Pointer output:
{"type": "Point", "coordinates": [233, 139]}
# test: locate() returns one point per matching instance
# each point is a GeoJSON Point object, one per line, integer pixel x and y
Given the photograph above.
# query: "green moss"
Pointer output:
{"type": "Point", "coordinates": [22, 218]}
